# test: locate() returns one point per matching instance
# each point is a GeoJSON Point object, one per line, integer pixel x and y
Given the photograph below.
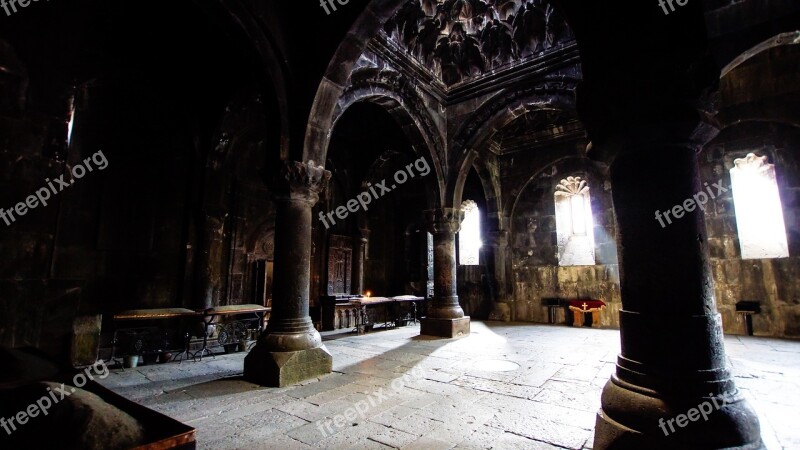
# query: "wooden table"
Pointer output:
{"type": "Point", "coordinates": [394, 315]}
{"type": "Point", "coordinates": [235, 331]}
{"type": "Point", "coordinates": [142, 334]}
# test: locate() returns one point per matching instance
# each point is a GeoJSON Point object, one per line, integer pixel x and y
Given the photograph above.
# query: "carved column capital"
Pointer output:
{"type": "Point", "coordinates": [296, 181]}
{"type": "Point", "coordinates": [444, 220]}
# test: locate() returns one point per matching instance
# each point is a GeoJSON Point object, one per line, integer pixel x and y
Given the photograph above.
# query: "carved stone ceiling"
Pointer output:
{"type": "Point", "coordinates": [536, 128]}
{"type": "Point", "coordinates": [462, 40]}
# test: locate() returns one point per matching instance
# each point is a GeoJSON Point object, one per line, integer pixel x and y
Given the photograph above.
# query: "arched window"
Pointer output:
{"type": "Point", "coordinates": [574, 224]}
{"type": "Point", "coordinates": [759, 214]}
{"type": "Point", "coordinates": [469, 238]}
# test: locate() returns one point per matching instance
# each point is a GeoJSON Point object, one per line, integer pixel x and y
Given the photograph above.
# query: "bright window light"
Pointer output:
{"type": "Point", "coordinates": [759, 214]}
{"type": "Point", "coordinates": [469, 238]}
{"type": "Point", "coordinates": [70, 124]}
{"type": "Point", "coordinates": [70, 118]}
{"type": "Point", "coordinates": [578, 215]}
{"type": "Point", "coordinates": [574, 223]}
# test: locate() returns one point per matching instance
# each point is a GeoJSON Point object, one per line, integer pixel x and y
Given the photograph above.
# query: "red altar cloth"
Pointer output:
{"type": "Point", "coordinates": [587, 305]}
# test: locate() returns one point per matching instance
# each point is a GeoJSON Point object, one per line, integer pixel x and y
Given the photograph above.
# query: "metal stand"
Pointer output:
{"type": "Point", "coordinates": [206, 324]}
{"type": "Point", "coordinates": [185, 354]}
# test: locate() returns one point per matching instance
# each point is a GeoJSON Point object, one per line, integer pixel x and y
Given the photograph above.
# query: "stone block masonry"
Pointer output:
{"type": "Point", "coordinates": [55, 187]}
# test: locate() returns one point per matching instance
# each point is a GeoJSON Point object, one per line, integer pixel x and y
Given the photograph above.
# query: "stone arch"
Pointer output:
{"type": "Point", "coordinates": [495, 114]}
{"type": "Point", "coordinates": [742, 100]}
{"type": "Point", "coordinates": [252, 35]}
{"type": "Point", "coordinates": [261, 241]}
{"type": "Point", "coordinates": [391, 91]}
{"type": "Point", "coordinates": [341, 66]}
{"type": "Point", "coordinates": [596, 169]}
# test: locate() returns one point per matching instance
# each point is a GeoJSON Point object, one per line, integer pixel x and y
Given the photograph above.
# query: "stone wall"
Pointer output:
{"type": "Point", "coordinates": [536, 273]}
{"type": "Point", "coordinates": [772, 282]}
{"type": "Point", "coordinates": [131, 235]}
{"type": "Point", "coordinates": [473, 291]}
{"type": "Point", "coordinates": [30, 304]}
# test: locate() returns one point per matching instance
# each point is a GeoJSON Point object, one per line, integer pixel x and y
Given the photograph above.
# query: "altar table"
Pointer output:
{"type": "Point", "coordinates": [580, 307]}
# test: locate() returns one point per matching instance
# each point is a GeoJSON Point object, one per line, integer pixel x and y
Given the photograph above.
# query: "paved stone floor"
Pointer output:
{"type": "Point", "coordinates": [506, 386]}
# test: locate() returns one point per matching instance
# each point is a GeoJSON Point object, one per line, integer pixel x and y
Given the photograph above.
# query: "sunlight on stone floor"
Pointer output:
{"type": "Point", "coordinates": [506, 386]}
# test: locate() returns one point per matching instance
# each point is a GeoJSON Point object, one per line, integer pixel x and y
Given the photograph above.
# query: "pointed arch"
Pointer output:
{"type": "Point", "coordinates": [392, 92]}
{"type": "Point", "coordinates": [495, 114]}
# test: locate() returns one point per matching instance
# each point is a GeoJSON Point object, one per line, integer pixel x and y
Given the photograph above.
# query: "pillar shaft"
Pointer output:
{"type": "Point", "coordinates": [443, 225]}
{"type": "Point", "coordinates": [291, 349]}
{"type": "Point", "coordinates": [209, 274]}
{"type": "Point", "coordinates": [292, 265]}
{"type": "Point", "coordinates": [498, 240]}
{"type": "Point", "coordinates": [445, 315]}
{"type": "Point", "coordinates": [673, 356]}
{"type": "Point", "coordinates": [666, 275]}
{"type": "Point", "coordinates": [359, 259]}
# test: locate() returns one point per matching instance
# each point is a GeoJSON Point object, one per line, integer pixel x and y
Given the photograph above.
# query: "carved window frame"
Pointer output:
{"type": "Point", "coordinates": [469, 252]}
{"type": "Point", "coordinates": [760, 221]}
{"type": "Point", "coordinates": [572, 200]}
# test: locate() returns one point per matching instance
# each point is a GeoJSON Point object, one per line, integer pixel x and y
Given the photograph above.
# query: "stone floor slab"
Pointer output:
{"type": "Point", "coordinates": [428, 393]}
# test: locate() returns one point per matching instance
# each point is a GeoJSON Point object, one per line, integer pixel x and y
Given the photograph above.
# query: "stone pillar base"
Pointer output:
{"type": "Point", "coordinates": [446, 328]}
{"type": "Point", "coordinates": [632, 420]}
{"type": "Point", "coordinates": [281, 369]}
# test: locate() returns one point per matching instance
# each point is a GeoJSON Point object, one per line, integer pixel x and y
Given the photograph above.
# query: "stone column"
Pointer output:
{"type": "Point", "coordinates": [445, 316]}
{"type": "Point", "coordinates": [359, 257]}
{"type": "Point", "coordinates": [291, 350]}
{"type": "Point", "coordinates": [208, 273]}
{"type": "Point", "coordinates": [673, 357]}
{"type": "Point", "coordinates": [498, 241]}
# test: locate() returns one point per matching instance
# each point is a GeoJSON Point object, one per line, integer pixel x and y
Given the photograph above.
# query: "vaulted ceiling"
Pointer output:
{"type": "Point", "coordinates": [536, 129]}
{"type": "Point", "coordinates": [463, 40]}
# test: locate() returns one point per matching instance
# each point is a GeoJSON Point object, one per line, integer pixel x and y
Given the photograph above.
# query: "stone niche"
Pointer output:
{"type": "Point", "coordinates": [742, 271]}
{"type": "Point", "coordinates": [542, 229]}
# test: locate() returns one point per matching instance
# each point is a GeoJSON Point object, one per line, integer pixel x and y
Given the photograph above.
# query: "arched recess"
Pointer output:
{"type": "Point", "coordinates": [758, 96]}
{"type": "Point", "coordinates": [597, 169]}
{"type": "Point", "coordinates": [342, 64]}
{"type": "Point", "coordinates": [745, 96]}
{"type": "Point", "coordinates": [534, 250]}
{"type": "Point", "coordinates": [492, 193]}
{"type": "Point", "coordinates": [495, 114]}
{"type": "Point", "coordinates": [392, 92]}
{"type": "Point", "coordinates": [255, 38]}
